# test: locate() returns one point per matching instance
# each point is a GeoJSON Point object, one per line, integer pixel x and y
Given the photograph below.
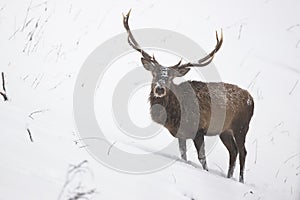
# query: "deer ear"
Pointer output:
{"type": "Point", "coordinates": [147, 64]}
{"type": "Point", "coordinates": [182, 71]}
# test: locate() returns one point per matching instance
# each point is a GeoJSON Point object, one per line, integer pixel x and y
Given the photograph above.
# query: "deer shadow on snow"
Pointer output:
{"type": "Point", "coordinates": [175, 159]}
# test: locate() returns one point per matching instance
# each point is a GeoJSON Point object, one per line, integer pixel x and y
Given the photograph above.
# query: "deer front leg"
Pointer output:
{"type": "Point", "coordinates": [200, 146]}
{"type": "Point", "coordinates": [182, 148]}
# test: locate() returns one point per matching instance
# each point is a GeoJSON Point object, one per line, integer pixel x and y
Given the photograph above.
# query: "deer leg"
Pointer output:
{"type": "Point", "coordinates": [200, 146]}
{"type": "Point", "coordinates": [240, 141]}
{"type": "Point", "coordinates": [229, 142]}
{"type": "Point", "coordinates": [182, 148]}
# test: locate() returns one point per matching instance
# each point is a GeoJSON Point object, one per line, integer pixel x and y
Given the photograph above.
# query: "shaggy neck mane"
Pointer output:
{"type": "Point", "coordinates": [163, 112]}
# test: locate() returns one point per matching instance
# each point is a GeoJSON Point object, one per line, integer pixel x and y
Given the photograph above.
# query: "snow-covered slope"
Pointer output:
{"type": "Point", "coordinates": [44, 44]}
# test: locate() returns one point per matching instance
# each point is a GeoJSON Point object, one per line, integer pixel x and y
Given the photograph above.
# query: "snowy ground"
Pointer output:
{"type": "Point", "coordinates": [44, 44]}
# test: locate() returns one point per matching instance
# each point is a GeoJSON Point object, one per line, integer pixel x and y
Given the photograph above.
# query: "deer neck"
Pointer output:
{"type": "Point", "coordinates": [161, 108]}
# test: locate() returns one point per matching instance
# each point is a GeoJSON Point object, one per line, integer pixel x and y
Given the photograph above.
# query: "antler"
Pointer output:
{"type": "Point", "coordinates": [200, 63]}
{"type": "Point", "coordinates": [207, 59]}
{"type": "Point", "coordinates": [132, 42]}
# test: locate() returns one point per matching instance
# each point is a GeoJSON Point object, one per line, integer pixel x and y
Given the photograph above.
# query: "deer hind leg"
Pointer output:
{"type": "Point", "coordinates": [240, 141]}
{"type": "Point", "coordinates": [200, 146]}
{"type": "Point", "coordinates": [182, 148]}
{"type": "Point", "coordinates": [229, 142]}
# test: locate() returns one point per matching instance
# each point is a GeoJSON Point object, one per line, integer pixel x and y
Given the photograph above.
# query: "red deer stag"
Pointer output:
{"type": "Point", "coordinates": [235, 104]}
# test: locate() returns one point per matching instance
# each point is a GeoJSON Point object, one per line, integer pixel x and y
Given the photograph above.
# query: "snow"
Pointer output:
{"type": "Point", "coordinates": [260, 53]}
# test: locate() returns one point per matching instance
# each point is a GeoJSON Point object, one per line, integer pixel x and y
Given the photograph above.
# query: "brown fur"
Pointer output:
{"type": "Point", "coordinates": [237, 104]}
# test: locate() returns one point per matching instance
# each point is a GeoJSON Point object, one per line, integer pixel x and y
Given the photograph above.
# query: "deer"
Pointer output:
{"type": "Point", "coordinates": [194, 109]}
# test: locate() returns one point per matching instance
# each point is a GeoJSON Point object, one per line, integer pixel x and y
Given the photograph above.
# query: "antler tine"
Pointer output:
{"type": "Point", "coordinates": [178, 64]}
{"type": "Point", "coordinates": [207, 59]}
{"type": "Point", "coordinates": [131, 40]}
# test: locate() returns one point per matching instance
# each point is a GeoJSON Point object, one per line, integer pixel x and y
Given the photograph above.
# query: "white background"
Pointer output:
{"type": "Point", "coordinates": [42, 49]}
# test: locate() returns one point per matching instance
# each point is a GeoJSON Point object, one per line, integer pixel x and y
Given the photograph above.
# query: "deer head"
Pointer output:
{"type": "Point", "coordinates": [162, 75]}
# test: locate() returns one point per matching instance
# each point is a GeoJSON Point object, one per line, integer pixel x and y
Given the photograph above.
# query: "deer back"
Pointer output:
{"type": "Point", "coordinates": [222, 106]}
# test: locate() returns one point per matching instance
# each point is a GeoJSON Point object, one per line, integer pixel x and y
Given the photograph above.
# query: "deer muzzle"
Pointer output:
{"type": "Point", "coordinates": [159, 91]}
